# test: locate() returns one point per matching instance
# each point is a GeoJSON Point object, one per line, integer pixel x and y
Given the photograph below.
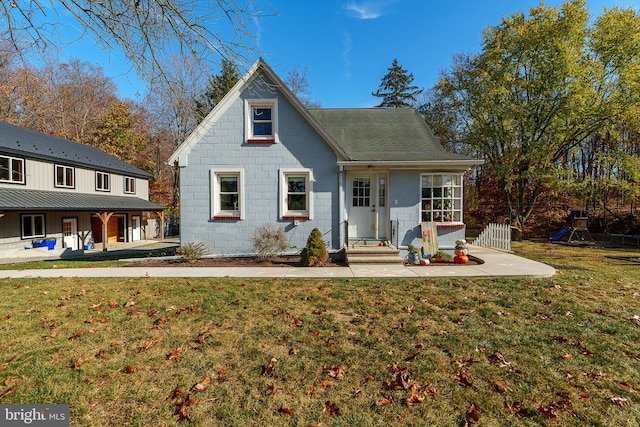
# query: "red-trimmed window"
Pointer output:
{"type": "Point", "coordinates": [297, 195]}
{"type": "Point", "coordinates": [261, 121]}
{"type": "Point", "coordinates": [227, 196]}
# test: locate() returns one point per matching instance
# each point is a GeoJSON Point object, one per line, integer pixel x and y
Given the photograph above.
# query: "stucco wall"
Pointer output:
{"type": "Point", "coordinates": [224, 146]}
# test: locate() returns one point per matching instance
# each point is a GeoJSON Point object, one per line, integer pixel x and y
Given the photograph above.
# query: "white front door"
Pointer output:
{"type": "Point", "coordinates": [135, 228]}
{"type": "Point", "coordinates": [367, 219]}
{"type": "Point", "coordinates": [70, 233]}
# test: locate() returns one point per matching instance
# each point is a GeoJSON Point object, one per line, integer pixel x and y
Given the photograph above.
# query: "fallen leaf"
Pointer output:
{"type": "Point", "coordinates": [93, 406]}
{"type": "Point", "coordinates": [620, 401]}
{"type": "Point", "coordinates": [327, 384]}
{"type": "Point", "coordinates": [129, 303]}
{"type": "Point", "coordinates": [414, 399]}
{"type": "Point", "coordinates": [176, 393]}
{"type": "Point", "coordinates": [624, 386]}
{"type": "Point", "coordinates": [472, 416]}
{"type": "Point", "coordinates": [463, 378]}
{"type": "Point", "coordinates": [201, 386]}
{"type": "Point", "coordinates": [114, 304]}
{"type": "Point", "coordinates": [334, 371]}
{"type": "Point", "coordinates": [76, 335]}
{"type": "Point", "coordinates": [100, 353]}
{"type": "Point", "coordinates": [331, 409]}
{"type": "Point", "coordinates": [78, 362]}
{"type": "Point", "coordinates": [272, 389]}
{"type": "Point", "coordinates": [268, 370]}
{"type": "Point", "coordinates": [386, 400]}
{"type": "Point", "coordinates": [224, 371]}
{"type": "Point", "coordinates": [293, 351]}
{"type": "Point", "coordinates": [500, 387]}
{"type": "Point", "coordinates": [566, 356]}
{"type": "Point", "coordinates": [8, 392]}
{"type": "Point", "coordinates": [286, 411]}
{"type": "Point", "coordinates": [130, 369]}
{"type": "Point", "coordinates": [175, 354]}
{"type": "Point", "coordinates": [146, 346]}
{"type": "Point", "coordinates": [96, 307]}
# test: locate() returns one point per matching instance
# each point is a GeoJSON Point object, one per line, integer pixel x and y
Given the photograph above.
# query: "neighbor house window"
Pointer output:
{"type": "Point", "coordinates": [227, 196]}
{"type": "Point", "coordinates": [441, 199]}
{"type": "Point", "coordinates": [129, 185]}
{"type": "Point", "coordinates": [296, 194]}
{"type": "Point", "coordinates": [261, 121]}
{"type": "Point", "coordinates": [102, 181]}
{"type": "Point", "coordinates": [11, 169]}
{"type": "Point", "coordinates": [65, 176]}
{"type": "Point", "coordinates": [33, 226]}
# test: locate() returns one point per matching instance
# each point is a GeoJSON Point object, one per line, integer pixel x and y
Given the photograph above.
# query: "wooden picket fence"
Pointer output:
{"type": "Point", "coordinates": [495, 236]}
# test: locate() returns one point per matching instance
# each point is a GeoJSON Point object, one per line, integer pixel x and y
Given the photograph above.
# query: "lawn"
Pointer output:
{"type": "Point", "coordinates": [201, 352]}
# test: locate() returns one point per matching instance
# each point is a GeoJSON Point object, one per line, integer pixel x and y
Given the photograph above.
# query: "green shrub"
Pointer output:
{"type": "Point", "coordinates": [192, 252]}
{"type": "Point", "coordinates": [315, 253]}
{"type": "Point", "coordinates": [269, 241]}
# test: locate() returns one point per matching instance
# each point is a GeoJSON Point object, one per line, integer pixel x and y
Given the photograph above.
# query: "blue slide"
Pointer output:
{"type": "Point", "coordinates": [560, 233]}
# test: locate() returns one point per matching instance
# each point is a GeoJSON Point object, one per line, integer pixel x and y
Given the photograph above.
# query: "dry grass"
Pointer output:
{"type": "Point", "coordinates": [558, 351]}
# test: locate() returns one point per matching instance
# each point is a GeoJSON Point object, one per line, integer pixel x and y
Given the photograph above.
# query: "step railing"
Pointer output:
{"type": "Point", "coordinates": [495, 236]}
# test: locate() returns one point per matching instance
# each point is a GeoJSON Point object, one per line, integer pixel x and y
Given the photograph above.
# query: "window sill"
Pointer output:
{"type": "Point", "coordinates": [450, 225]}
{"type": "Point", "coordinates": [295, 217]}
{"type": "Point", "coordinates": [227, 218]}
{"type": "Point", "coordinates": [261, 141]}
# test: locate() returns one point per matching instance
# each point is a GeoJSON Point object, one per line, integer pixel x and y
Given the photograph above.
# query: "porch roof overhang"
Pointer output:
{"type": "Point", "coordinates": [32, 200]}
{"type": "Point", "coordinates": [435, 165]}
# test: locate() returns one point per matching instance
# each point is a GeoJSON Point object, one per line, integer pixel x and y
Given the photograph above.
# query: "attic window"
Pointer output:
{"type": "Point", "coordinates": [261, 121]}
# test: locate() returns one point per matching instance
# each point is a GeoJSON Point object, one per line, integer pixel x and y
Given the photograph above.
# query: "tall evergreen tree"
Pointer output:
{"type": "Point", "coordinates": [217, 87]}
{"type": "Point", "coordinates": [395, 88]}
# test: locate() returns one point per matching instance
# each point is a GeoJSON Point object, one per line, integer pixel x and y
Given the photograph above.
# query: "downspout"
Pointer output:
{"type": "Point", "coordinates": [341, 196]}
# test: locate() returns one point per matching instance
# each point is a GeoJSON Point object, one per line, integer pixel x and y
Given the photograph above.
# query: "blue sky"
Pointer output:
{"type": "Point", "coordinates": [347, 45]}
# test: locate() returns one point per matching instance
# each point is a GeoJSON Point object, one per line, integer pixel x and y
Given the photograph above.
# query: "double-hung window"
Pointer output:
{"type": "Point", "coordinates": [65, 176]}
{"type": "Point", "coordinates": [296, 194]}
{"type": "Point", "coordinates": [261, 121]}
{"type": "Point", "coordinates": [102, 181]}
{"type": "Point", "coordinates": [129, 185]}
{"type": "Point", "coordinates": [33, 226]}
{"type": "Point", "coordinates": [441, 198]}
{"type": "Point", "coordinates": [11, 170]}
{"type": "Point", "coordinates": [227, 198]}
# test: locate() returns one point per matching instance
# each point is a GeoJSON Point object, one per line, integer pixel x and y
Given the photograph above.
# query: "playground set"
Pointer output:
{"type": "Point", "coordinates": [577, 230]}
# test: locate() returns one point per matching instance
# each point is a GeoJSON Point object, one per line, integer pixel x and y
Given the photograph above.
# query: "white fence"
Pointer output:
{"type": "Point", "coordinates": [495, 236]}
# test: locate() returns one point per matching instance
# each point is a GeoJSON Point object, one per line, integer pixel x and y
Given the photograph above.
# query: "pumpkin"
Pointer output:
{"type": "Point", "coordinates": [461, 251]}
{"type": "Point", "coordinates": [461, 259]}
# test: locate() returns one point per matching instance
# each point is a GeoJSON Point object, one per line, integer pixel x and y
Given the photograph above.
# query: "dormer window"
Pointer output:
{"type": "Point", "coordinates": [261, 121]}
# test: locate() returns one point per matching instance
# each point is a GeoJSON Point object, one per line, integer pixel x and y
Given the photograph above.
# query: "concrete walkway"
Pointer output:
{"type": "Point", "coordinates": [496, 264]}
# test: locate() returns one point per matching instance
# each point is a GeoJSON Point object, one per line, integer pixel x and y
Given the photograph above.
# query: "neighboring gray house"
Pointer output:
{"type": "Point", "coordinates": [359, 175]}
{"type": "Point", "coordinates": [53, 188]}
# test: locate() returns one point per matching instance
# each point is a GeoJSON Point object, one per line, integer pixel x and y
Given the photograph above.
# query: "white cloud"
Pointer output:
{"type": "Point", "coordinates": [366, 9]}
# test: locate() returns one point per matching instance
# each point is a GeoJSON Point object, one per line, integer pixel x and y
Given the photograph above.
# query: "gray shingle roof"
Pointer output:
{"type": "Point", "coordinates": [383, 134]}
{"type": "Point", "coordinates": [16, 200]}
{"type": "Point", "coordinates": [18, 141]}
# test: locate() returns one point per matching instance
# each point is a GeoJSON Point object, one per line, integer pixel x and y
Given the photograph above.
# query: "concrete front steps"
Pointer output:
{"type": "Point", "coordinates": [369, 252]}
